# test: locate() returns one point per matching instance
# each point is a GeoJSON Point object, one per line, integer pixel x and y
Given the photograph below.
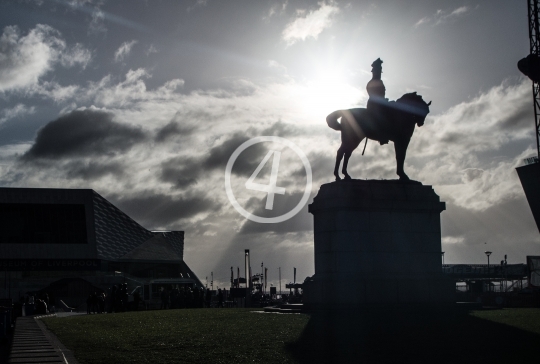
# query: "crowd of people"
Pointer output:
{"type": "Point", "coordinates": [185, 297]}
{"type": "Point", "coordinates": [116, 301]}
{"type": "Point", "coordinates": [38, 304]}
{"type": "Point", "coordinates": [95, 303]}
{"type": "Point", "coordinates": [169, 297]}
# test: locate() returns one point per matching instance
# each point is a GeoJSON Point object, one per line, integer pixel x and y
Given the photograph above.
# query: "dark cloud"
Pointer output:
{"type": "Point", "coordinates": [451, 137]}
{"type": "Point", "coordinates": [247, 161]}
{"type": "Point", "coordinates": [83, 133]}
{"type": "Point", "coordinates": [183, 172]}
{"type": "Point", "coordinates": [322, 167]}
{"type": "Point", "coordinates": [520, 119]}
{"type": "Point", "coordinates": [173, 129]}
{"type": "Point", "coordinates": [93, 170]}
{"type": "Point", "coordinates": [470, 174]}
{"type": "Point", "coordinates": [219, 155]}
{"type": "Point", "coordinates": [303, 221]}
{"type": "Point", "coordinates": [283, 130]}
{"type": "Point", "coordinates": [160, 210]}
{"type": "Point", "coordinates": [180, 171]}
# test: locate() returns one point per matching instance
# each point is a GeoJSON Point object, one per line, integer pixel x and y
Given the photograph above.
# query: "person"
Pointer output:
{"type": "Point", "coordinates": [125, 296]}
{"type": "Point", "coordinates": [174, 297]}
{"type": "Point", "coordinates": [100, 302]}
{"type": "Point", "coordinates": [45, 298]}
{"type": "Point", "coordinates": [136, 300]}
{"type": "Point", "coordinates": [220, 298]}
{"type": "Point", "coordinates": [201, 297]}
{"type": "Point", "coordinates": [208, 299]}
{"type": "Point", "coordinates": [189, 298]}
{"type": "Point", "coordinates": [112, 299]}
{"type": "Point", "coordinates": [182, 298]}
{"type": "Point", "coordinates": [375, 86]}
{"type": "Point", "coordinates": [52, 303]}
{"type": "Point", "coordinates": [195, 294]}
{"type": "Point", "coordinates": [41, 307]}
{"type": "Point", "coordinates": [164, 299]}
{"type": "Point", "coordinates": [377, 105]}
{"type": "Point", "coordinates": [119, 302]}
{"type": "Point", "coordinates": [89, 304]}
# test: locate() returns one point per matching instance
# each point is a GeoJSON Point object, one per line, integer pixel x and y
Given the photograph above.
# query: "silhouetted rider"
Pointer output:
{"type": "Point", "coordinates": [377, 104]}
{"type": "Point", "coordinates": [375, 87]}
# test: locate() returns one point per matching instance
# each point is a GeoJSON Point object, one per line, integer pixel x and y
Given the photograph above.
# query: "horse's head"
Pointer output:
{"type": "Point", "coordinates": [414, 106]}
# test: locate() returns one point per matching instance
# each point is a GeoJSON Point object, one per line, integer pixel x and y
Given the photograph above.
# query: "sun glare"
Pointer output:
{"type": "Point", "coordinates": [327, 92]}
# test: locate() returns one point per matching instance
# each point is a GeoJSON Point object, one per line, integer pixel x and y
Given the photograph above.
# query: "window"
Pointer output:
{"type": "Point", "coordinates": [42, 224]}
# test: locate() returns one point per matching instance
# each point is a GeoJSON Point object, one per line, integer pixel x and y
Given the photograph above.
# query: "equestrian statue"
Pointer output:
{"type": "Point", "coordinates": [381, 120]}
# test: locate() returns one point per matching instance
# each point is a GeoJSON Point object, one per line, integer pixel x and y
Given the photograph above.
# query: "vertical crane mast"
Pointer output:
{"type": "Point", "coordinates": [534, 34]}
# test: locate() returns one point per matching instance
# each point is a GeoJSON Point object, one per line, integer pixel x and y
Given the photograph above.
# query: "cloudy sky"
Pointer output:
{"type": "Point", "coordinates": [145, 101]}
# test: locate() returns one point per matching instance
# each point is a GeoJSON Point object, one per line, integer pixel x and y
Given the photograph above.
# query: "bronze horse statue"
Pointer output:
{"type": "Point", "coordinates": [393, 121]}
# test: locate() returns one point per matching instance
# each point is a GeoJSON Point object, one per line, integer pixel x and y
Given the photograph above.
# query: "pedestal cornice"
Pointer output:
{"type": "Point", "coordinates": [376, 195]}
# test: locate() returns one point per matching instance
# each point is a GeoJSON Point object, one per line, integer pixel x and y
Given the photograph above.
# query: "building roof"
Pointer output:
{"type": "Point", "coordinates": [110, 233]}
{"type": "Point", "coordinates": [118, 236]}
{"type": "Point", "coordinates": [158, 247]}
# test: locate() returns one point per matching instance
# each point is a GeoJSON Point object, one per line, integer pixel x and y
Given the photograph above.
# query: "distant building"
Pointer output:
{"type": "Point", "coordinates": [529, 175]}
{"type": "Point", "coordinates": [60, 236]}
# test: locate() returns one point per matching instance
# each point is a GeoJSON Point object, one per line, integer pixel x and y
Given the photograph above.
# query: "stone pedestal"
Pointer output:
{"type": "Point", "coordinates": [377, 244]}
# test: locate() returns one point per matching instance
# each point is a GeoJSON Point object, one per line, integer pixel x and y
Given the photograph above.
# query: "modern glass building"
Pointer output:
{"type": "Point", "coordinates": [74, 241]}
{"type": "Point", "coordinates": [529, 175]}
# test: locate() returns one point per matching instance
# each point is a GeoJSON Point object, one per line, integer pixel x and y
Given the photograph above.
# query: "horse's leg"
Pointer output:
{"type": "Point", "coordinates": [339, 156]}
{"type": "Point", "coordinates": [401, 151]}
{"type": "Point", "coordinates": [351, 136]}
{"type": "Point", "coordinates": [345, 163]}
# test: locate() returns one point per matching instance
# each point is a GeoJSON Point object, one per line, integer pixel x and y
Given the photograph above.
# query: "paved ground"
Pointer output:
{"type": "Point", "coordinates": [33, 343]}
{"type": "Point", "coordinates": [67, 314]}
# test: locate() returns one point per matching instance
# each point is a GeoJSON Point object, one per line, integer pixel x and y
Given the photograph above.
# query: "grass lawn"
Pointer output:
{"type": "Point", "coordinates": [242, 336]}
{"type": "Point", "coordinates": [527, 319]}
{"type": "Point", "coordinates": [176, 336]}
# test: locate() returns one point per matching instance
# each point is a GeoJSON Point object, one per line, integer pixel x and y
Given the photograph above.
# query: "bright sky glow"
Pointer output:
{"type": "Point", "coordinates": [160, 94]}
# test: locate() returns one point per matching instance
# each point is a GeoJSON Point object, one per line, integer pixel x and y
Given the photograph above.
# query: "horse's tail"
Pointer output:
{"type": "Point", "coordinates": [332, 120]}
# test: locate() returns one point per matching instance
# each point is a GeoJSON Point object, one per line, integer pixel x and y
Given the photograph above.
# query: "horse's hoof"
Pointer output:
{"type": "Point", "coordinates": [348, 178]}
{"type": "Point", "coordinates": [338, 178]}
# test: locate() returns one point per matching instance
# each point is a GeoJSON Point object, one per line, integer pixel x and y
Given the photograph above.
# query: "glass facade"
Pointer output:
{"type": "Point", "coordinates": [42, 224]}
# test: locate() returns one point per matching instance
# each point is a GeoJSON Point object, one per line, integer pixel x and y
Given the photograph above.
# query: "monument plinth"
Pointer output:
{"type": "Point", "coordinates": [377, 243]}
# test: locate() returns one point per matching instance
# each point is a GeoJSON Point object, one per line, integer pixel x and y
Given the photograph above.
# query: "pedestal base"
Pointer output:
{"type": "Point", "coordinates": [377, 243]}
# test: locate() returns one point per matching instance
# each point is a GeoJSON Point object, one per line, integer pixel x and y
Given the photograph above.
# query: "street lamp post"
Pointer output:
{"type": "Point", "coordinates": [247, 263]}
{"type": "Point", "coordinates": [488, 253]}
{"type": "Point", "coordinates": [504, 274]}
{"type": "Point", "coordinates": [279, 280]}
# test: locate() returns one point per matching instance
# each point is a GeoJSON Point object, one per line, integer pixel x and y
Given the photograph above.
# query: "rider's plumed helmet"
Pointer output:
{"type": "Point", "coordinates": [377, 65]}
